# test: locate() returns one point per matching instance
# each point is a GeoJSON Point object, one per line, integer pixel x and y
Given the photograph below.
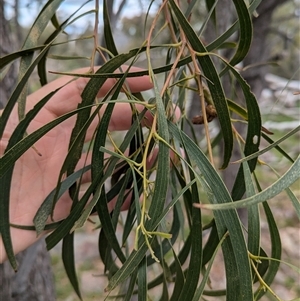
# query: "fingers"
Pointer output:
{"type": "Point", "coordinates": [67, 99]}
{"type": "Point", "coordinates": [122, 117]}
{"type": "Point", "coordinates": [120, 120]}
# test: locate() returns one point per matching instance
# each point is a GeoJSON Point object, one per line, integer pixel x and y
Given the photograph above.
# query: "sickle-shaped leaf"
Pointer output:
{"type": "Point", "coordinates": [214, 84]}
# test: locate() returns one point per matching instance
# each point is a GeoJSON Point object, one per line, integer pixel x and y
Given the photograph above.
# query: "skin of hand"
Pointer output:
{"type": "Point", "coordinates": [35, 176]}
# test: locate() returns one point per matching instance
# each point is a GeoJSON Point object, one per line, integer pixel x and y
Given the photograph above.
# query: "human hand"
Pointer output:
{"type": "Point", "coordinates": [35, 176]}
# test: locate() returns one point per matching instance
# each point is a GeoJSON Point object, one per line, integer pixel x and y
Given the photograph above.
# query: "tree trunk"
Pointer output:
{"type": "Point", "coordinates": [260, 51]}
{"type": "Point", "coordinates": [34, 279]}
{"type": "Point", "coordinates": [8, 82]}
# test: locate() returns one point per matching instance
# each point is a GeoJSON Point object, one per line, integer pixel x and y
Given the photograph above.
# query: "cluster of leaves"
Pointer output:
{"type": "Point", "coordinates": [166, 214]}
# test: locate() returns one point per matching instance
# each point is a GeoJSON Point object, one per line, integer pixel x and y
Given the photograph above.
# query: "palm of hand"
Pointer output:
{"type": "Point", "coordinates": [35, 176]}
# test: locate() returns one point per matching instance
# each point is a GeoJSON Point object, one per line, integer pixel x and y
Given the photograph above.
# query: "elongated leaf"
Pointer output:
{"type": "Point", "coordinates": [45, 209]}
{"type": "Point", "coordinates": [6, 178]}
{"type": "Point", "coordinates": [31, 40]}
{"type": "Point", "coordinates": [11, 154]}
{"type": "Point", "coordinates": [234, 250]}
{"type": "Point", "coordinates": [211, 15]}
{"type": "Point", "coordinates": [107, 226]}
{"type": "Point", "coordinates": [109, 40]}
{"type": "Point", "coordinates": [253, 215]}
{"type": "Point", "coordinates": [214, 84]}
{"type": "Point", "coordinates": [121, 197]}
{"type": "Point", "coordinates": [291, 176]}
{"type": "Point", "coordinates": [210, 4]}
{"type": "Point", "coordinates": [106, 254]}
{"type": "Point", "coordinates": [128, 267]}
{"type": "Point", "coordinates": [253, 132]}
{"type": "Point", "coordinates": [142, 280]}
{"type": "Point", "coordinates": [130, 288]}
{"type": "Point", "coordinates": [58, 30]}
{"type": "Point", "coordinates": [272, 145]}
{"type": "Point", "coordinates": [179, 278]}
{"type": "Point", "coordinates": [18, 90]}
{"type": "Point", "coordinates": [294, 201]}
{"type": "Point", "coordinates": [69, 261]}
{"type": "Point", "coordinates": [65, 227]}
{"type": "Point", "coordinates": [165, 292]}
{"type": "Point", "coordinates": [5, 60]}
{"type": "Point", "coordinates": [221, 39]}
{"type": "Point", "coordinates": [97, 170]}
{"type": "Point", "coordinates": [244, 114]}
{"type": "Point", "coordinates": [69, 159]}
{"type": "Point", "coordinates": [163, 163]}
{"type": "Point", "coordinates": [277, 147]}
{"type": "Point", "coordinates": [245, 32]}
{"type": "Point", "coordinates": [276, 249]}
{"type": "Point", "coordinates": [211, 244]}
{"type": "Point", "coordinates": [4, 220]}
{"type": "Point", "coordinates": [234, 290]}
{"type": "Point", "coordinates": [200, 289]}
{"type": "Point", "coordinates": [41, 22]}
{"type": "Point", "coordinates": [193, 271]}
